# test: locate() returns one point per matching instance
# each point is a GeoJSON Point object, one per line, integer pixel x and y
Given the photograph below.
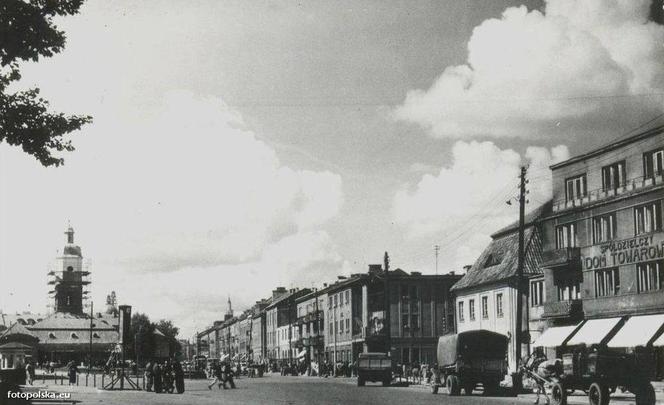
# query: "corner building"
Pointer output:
{"type": "Point", "coordinates": [603, 244]}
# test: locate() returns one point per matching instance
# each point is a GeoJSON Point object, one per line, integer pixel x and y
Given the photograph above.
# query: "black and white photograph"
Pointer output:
{"type": "Point", "coordinates": [332, 202]}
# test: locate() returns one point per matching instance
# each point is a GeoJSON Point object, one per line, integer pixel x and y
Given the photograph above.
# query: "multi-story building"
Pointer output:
{"type": "Point", "coordinates": [257, 331]}
{"type": "Point", "coordinates": [345, 317]}
{"type": "Point", "coordinates": [311, 326]}
{"type": "Point", "coordinates": [281, 314]}
{"type": "Point", "coordinates": [603, 243]}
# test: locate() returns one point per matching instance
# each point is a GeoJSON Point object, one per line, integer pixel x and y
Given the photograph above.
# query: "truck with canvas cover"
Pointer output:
{"type": "Point", "coordinates": [470, 358]}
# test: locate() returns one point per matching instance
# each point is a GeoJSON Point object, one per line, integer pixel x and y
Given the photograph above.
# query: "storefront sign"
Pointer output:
{"type": "Point", "coordinates": [622, 252]}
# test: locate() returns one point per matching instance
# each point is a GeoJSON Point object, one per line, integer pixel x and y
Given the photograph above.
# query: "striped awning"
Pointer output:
{"type": "Point", "coordinates": [555, 336]}
{"type": "Point", "coordinates": [637, 331]}
{"type": "Point", "coordinates": [593, 331]}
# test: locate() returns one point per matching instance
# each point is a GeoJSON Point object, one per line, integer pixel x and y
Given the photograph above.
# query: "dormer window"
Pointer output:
{"type": "Point", "coordinates": [51, 335]}
{"type": "Point", "coordinates": [70, 268]}
{"type": "Point", "coordinates": [96, 335]}
{"type": "Point", "coordinates": [492, 260]}
{"type": "Point", "coordinates": [74, 335]}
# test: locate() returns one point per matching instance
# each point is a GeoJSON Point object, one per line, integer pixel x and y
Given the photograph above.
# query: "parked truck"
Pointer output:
{"type": "Point", "coordinates": [470, 358]}
{"type": "Point", "coordinates": [374, 367]}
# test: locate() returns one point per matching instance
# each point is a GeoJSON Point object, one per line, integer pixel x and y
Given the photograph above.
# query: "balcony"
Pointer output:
{"type": "Point", "coordinates": [630, 186]}
{"type": "Point", "coordinates": [563, 309]}
{"type": "Point", "coordinates": [561, 257]}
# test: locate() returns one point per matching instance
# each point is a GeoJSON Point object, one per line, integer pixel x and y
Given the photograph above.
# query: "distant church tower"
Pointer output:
{"type": "Point", "coordinates": [229, 311]}
{"type": "Point", "coordinates": [69, 279]}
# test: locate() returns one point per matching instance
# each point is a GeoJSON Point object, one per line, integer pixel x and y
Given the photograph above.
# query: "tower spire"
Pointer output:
{"type": "Point", "coordinates": [230, 307]}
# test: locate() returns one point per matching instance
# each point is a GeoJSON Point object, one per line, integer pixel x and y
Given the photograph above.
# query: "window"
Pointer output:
{"type": "Point", "coordinates": [96, 335]}
{"type": "Point", "coordinates": [335, 300]}
{"type": "Point", "coordinates": [347, 325]}
{"type": "Point", "coordinates": [647, 218]}
{"type": "Point", "coordinates": [347, 297]}
{"type": "Point", "coordinates": [613, 176]}
{"type": "Point", "coordinates": [575, 187]}
{"type": "Point", "coordinates": [331, 330]}
{"type": "Point", "coordinates": [568, 289]}
{"type": "Point", "coordinates": [485, 307]}
{"type": "Point", "coordinates": [461, 314]}
{"type": "Point", "coordinates": [650, 276]}
{"type": "Point", "coordinates": [607, 282]}
{"type": "Point", "coordinates": [537, 293]}
{"type": "Point", "coordinates": [471, 310]}
{"type": "Point", "coordinates": [492, 260]}
{"type": "Point", "coordinates": [405, 356]}
{"type": "Point", "coordinates": [499, 305]}
{"type": "Point", "coordinates": [70, 268]}
{"type": "Point", "coordinates": [604, 228]}
{"type": "Point", "coordinates": [566, 236]}
{"type": "Point", "coordinates": [653, 163]}
{"type": "Point", "coordinates": [330, 303]}
{"type": "Point", "coordinates": [51, 335]}
{"type": "Point", "coordinates": [74, 335]}
{"type": "Point", "coordinates": [415, 321]}
{"type": "Point", "coordinates": [404, 321]}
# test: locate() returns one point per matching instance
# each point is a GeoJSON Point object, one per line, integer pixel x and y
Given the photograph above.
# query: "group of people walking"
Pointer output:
{"type": "Point", "coordinates": [222, 373]}
{"type": "Point", "coordinates": [167, 376]}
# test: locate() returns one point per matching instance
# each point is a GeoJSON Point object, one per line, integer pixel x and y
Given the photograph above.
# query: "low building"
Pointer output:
{"type": "Point", "coordinates": [487, 295]}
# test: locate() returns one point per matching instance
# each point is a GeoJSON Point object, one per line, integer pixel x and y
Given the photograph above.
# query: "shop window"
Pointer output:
{"type": "Point", "coordinates": [653, 163]}
{"type": "Point", "coordinates": [607, 282]}
{"type": "Point", "coordinates": [485, 307]}
{"type": "Point", "coordinates": [604, 228]}
{"type": "Point", "coordinates": [575, 187]}
{"type": "Point", "coordinates": [471, 310]}
{"type": "Point", "coordinates": [649, 276]}
{"type": "Point", "coordinates": [566, 236]}
{"type": "Point", "coordinates": [536, 293]}
{"type": "Point", "coordinates": [499, 305]}
{"type": "Point", "coordinates": [613, 176]}
{"type": "Point", "coordinates": [647, 218]}
{"type": "Point", "coordinates": [461, 311]}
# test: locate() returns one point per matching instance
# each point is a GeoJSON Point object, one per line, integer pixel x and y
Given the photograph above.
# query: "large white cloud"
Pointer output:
{"type": "Point", "coordinates": [581, 62]}
{"type": "Point", "coordinates": [180, 202]}
{"type": "Point", "coordinates": [464, 203]}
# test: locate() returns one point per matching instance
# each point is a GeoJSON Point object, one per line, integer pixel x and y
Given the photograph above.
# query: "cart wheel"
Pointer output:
{"type": "Point", "coordinates": [645, 394]}
{"type": "Point", "coordinates": [453, 388]}
{"type": "Point", "coordinates": [558, 394]}
{"type": "Point", "coordinates": [434, 388]}
{"type": "Point", "coordinates": [598, 393]}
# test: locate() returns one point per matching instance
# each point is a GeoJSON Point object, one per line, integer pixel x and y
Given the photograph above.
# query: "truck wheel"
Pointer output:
{"type": "Point", "coordinates": [453, 387]}
{"type": "Point", "coordinates": [558, 394]}
{"type": "Point", "coordinates": [360, 382]}
{"type": "Point", "coordinates": [434, 388]}
{"type": "Point", "coordinates": [645, 394]}
{"type": "Point", "coordinates": [598, 393]}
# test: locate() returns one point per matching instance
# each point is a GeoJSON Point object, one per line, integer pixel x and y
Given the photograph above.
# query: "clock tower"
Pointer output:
{"type": "Point", "coordinates": [69, 280]}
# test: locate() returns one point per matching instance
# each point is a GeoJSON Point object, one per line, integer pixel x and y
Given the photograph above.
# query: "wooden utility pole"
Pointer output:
{"type": "Point", "coordinates": [388, 333]}
{"type": "Point", "coordinates": [92, 317]}
{"type": "Point", "coordinates": [519, 270]}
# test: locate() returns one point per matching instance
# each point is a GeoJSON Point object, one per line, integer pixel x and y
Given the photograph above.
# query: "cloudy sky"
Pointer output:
{"type": "Point", "coordinates": [238, 146]}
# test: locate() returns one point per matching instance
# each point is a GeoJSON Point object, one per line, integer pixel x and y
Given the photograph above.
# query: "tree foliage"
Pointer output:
{"type": "Point", "coordinates": [27, 32]}
{"type": "Point", "coordinates": [141, 337]}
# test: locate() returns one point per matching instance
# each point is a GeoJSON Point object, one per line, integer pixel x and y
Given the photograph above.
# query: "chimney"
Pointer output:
{"type": "Point", "coordinates": [375, 269]}
{"type": "Point", "coordinates": [451, 273]}
{"type": "Point", "coordinates": [341, 277]}
{"type": "Point", "coordinates": [278, 292]}
{"type": "Point", "coordinates": [415, 273]}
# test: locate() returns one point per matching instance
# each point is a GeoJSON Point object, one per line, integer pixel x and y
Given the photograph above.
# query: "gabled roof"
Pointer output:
{"type": "Point", "coordinates": [529, 219]}
{"type": "Point", "coordinates": [498, 262]}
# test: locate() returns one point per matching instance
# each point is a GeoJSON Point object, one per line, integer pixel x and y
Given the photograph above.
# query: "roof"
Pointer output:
{"type": "Point", "coordinates": [529, 219]}
{"type": "Point", "coordinates": [289, 295]}
{"type": "Point", "coordinates": [17, 329]}
{"type": "Point", "coordinates": [614, 145]}
{"type": "Point", "coordinates": [15, 345]}
{"type": "Point", "coordinates": [67, 321]}
{"type": "Point", "coordinates": [27, 317]}
{"type": "Point", "coordinates": [82, 337]}
{"type": "Point", "coordinates": [503, 251]}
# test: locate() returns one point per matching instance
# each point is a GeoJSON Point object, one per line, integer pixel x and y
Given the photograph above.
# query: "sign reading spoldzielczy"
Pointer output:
{"type": "Point", "coordinates": [621, 252]}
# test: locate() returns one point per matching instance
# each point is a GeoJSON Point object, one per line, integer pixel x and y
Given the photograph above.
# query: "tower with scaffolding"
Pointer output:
{"type": "Point", "coordinates": [69, 278]}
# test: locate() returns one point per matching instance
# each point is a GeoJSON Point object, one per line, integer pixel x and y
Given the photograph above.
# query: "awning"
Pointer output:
{"type": "Point", "coordinates": [637, 331]}
{"type": "Point", "coordinates": [659, 341]}
{"type": "Point", "coordinates": [555, 336]}
{"type": "Point", "coordinates": [593, 331]}
{"type": "Point", "coordinates": [301, 354]}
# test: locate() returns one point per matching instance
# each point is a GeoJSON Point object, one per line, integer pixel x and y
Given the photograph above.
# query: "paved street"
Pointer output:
{"type": "Point", "coordinates": [275, 389]}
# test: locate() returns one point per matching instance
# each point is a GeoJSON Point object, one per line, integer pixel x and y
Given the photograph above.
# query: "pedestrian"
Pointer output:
{"type": "Point", "coordinates": [156, 371]}
{"type": "Point", "coordinates": [149, 376]}
{"type": "Point", "coordinates": [228, 376]}
{"type": "Point", "coordinates": [72, 372]}
{"type": "Point", "coordinates": [216, 373]}
{"type": "Point", "coordinates": [179, 377]}
{"type": "Point", "coordinates": [29, 372]}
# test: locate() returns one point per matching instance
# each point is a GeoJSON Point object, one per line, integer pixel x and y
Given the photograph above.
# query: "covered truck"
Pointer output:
{"type": "Point", "coordinates": [470, 358]}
